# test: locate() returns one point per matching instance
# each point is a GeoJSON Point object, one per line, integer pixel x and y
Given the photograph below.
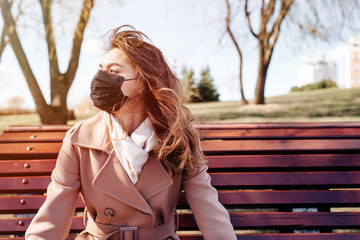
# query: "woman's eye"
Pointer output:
{"type": "Point", "coordinates": [113, 71]}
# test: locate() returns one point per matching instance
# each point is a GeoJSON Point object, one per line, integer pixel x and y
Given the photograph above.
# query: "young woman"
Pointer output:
{"type": "Point", "coordinates": [131, 161]}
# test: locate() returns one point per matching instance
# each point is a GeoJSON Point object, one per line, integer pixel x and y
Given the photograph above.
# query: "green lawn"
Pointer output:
{"type": "Point", "coordinates": [312, 106]}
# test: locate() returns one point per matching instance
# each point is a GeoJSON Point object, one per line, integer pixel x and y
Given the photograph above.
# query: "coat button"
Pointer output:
{"type": "Point", "coordinates": [109, 212]}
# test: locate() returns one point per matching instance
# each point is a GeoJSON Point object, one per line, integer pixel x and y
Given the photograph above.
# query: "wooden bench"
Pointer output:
{"type": "Point", "coordinates": [264, 173]}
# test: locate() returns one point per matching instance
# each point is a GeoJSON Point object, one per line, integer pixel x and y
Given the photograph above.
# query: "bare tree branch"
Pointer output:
{"type": "Point", "coordinates": [275, 31]}
{"type": "Point", "coordinates": [13, 39]}
{"type": "Point", "coordinates": [228, 29]}
{"type": "Point", "coordinates": [77, 40]}
{"type": "Point", "coordinates": [247, 14]}
{"type": "Point", "coordinates": [3, 39]}
{"type": "Point", "coordinates": [50, 38]}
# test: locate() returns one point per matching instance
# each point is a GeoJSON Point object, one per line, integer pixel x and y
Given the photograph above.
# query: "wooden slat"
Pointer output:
{"type": "Point", "coordinates": [250, 162]}
{"type": "Point", "coordinates": [278, 220]}
{"type": "Point", "coordinates": [26, 167]}
{"type": "Point", "coordinates": [207, 134]}
{"type": "Point", "coordinates": [17, 137]}
{"type": "Point", "coordinates": [276, 146]}
{"type": "Point", "coordinates": [11, 150]}
{"type": "Point", "coordinates": [298, 236]}
{"type": "Point", "coordinates": [252, 180]}
{"type": "Point", "coordinates": [29, 150]}
{"type": "Point", "coordinates": [24, 184]}
{"type": "Point", "coordinates": [239, 220]}
{"type": "Point", "coordinates": [286, 179]}
{"type": "Point", "coordinates": [37, 128]}
{"type": "Point", "coordinates": [278, 198]}
{"type": "Point", "coordinates": [284, 161]}
{"type": "Point", "coordinates": [231, 199]}
{"type": "Point", "coordinates": [273, 133]}
{"type": "Point", "coordinates": [277, 125]}
{"type": "Point", "coordinates": [216, 163]}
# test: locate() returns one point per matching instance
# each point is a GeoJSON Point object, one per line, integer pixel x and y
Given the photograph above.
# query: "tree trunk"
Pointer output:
{"type": "Point", "coordinates": [262, 73]}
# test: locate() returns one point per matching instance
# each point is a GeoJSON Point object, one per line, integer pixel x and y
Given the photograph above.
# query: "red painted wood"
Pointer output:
{"type": "Point", "coordinates": [278, 125]}
{"type": "Point", "coordinates": [37, 128]}
{"type": "Point", "coordinates": [284, 161]}
{"type": "Point", "coordinates": [24, 184]}
{"type": "Point", "coordinates": [276, 146]}
{"type": "Point", "coordinates": [26, 167]}
{"type": "Point", "coordinates": [231, 199]}
{"type": "Point", "coordinates": [29, 150]}
{"type": "Point", "coordinates": [239, 220]}
{"type": "Point", "coordinates": [306, 236]}
{"type": "Point", "coordinates": [220, 133]}
{"type": "Point", "coordinates": [264, 180]}
{"type": "Point", "coordinates": [273, 133]}
{"type": "Point", "coordinates": [31, 137]}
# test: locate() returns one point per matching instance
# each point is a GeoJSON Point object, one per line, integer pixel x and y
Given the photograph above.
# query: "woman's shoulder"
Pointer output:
{"type": "Point", "coordinates": [86, 130]}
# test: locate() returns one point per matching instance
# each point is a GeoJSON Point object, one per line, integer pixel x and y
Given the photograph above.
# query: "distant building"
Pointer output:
{"type": "Point", "coordinates": [354, 62]}
{"type": "Point", "coordinates": [314, 69]}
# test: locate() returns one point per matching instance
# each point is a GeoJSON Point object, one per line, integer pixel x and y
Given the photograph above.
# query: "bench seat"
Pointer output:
{"type": "Point", "coordinates": [283, 181]}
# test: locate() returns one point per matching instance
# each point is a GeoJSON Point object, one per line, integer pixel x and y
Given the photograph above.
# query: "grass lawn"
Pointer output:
{"type": "Point", "coordinates": [323, 105]}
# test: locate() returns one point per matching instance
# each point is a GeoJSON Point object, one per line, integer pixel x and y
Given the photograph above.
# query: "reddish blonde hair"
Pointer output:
{"type": "Point", "coordinates": [163, 94]}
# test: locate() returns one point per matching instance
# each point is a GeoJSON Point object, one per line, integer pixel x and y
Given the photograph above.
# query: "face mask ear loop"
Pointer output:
{"type": "Point", "coordinates": [129, 79]}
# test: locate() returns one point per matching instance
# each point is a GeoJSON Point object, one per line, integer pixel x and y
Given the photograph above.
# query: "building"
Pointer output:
{"type": "Point", "coordinates": [316, 68]}
{"type": "Point", "coordinates": [354, 62]}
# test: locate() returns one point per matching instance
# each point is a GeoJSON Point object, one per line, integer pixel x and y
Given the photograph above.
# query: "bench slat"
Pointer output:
{"type": "Point", "coordinates": [11, 150]}
{"type": "Point", "coordinates": [276, 146]}
{"type": "Point", "coordinates": [27, 167]}
{"type": "Point", "coordinates": [274, 220]}
{"type": "Point", "coordinates": [272, 180]}
{"type": "Point", "coordinates": [231, 199]}
{"type": "Point", "coordinates": [274, 133]}
{"type": "Point", "coordinates": [32, 137]}
{"type": "Point", "coordinates": [306, 236]}
{"type": "Point", "coordinates": [275, 125]}
{"type": "Point", "coordinates": [284, 161]}
{"type": "Point", "coordinates": [207, 134]}
{"type": "Point", "coordinates": [216, 163]}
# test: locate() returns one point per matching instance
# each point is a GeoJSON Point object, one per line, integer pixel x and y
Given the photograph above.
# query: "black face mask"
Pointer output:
{"type": "Point", "coordinates": [106, 91]}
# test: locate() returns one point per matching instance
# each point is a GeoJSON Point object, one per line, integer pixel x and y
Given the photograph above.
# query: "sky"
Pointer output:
{"type": "Point", "coordinates": [190, 34]}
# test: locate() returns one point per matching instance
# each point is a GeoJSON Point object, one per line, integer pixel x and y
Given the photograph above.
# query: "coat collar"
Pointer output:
{"type": "Point", "coordinates": [112, 178]}
{"type": "Point", "coordinates": [93, 133]}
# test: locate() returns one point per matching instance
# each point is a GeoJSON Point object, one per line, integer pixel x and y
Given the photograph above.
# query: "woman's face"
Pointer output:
{"type": "Point", "coordinates": [116, 62]}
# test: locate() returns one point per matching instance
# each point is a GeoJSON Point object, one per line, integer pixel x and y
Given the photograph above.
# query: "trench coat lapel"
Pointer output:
{"type": "Point", "coordinates": [153, 177]}
{"type": "Point", "coordinates": [112, 178]}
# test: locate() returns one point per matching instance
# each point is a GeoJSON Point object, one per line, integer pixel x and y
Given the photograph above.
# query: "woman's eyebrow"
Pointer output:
{"type": "Point", "coordinates": [112, 64]}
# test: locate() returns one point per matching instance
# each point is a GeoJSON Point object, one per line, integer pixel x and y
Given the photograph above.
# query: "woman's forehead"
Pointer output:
{"type": "Point", "coordinates": [115, 57]}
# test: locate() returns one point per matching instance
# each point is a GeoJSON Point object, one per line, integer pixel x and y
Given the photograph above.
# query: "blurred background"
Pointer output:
{"type": "Point", "coordinates": [239, 60]}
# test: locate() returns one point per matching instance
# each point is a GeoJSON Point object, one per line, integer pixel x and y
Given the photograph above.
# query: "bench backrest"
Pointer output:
{"type": "Point", "coordinates": [266, 174]}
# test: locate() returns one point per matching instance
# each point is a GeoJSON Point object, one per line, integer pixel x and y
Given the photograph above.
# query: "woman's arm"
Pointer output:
{"type": "Point", "coordinates": [211, 217]}
{"type": "Point", "coordinates": [54, 218]}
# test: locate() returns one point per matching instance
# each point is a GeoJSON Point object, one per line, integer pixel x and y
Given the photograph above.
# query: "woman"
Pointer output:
{"type": "Point", "coordinates": [131, 160]}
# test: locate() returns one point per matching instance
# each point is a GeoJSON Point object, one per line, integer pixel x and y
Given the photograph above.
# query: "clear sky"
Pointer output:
{"type": "Point", "coordinates": [190, 33]}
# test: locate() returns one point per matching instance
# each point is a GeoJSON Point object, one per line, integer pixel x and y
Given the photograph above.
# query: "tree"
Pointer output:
{"type": "Point", "coordinates": [323, 20]}
{"type": "Point", "coordinates": [237, 46]}
{"type": "Point", "coordinates": [207, 91]}
{"type": "Point", "coordinates": [267, 37]}
{"type": "Point", "coordinates": [56, 112]}
{"type": "Point", "coordinates": [190, 90]}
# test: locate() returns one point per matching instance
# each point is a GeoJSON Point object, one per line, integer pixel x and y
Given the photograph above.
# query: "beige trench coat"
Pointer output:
{"type": "Point", "coordinates": [88, 165]}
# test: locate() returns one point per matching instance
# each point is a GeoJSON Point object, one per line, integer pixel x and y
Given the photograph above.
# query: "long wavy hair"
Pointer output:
{"type": "Point", "coordinates": [162, 92]}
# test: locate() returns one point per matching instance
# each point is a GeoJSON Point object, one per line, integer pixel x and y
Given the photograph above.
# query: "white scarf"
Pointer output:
{"type": "Point", "coordinates": [132, 151]}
